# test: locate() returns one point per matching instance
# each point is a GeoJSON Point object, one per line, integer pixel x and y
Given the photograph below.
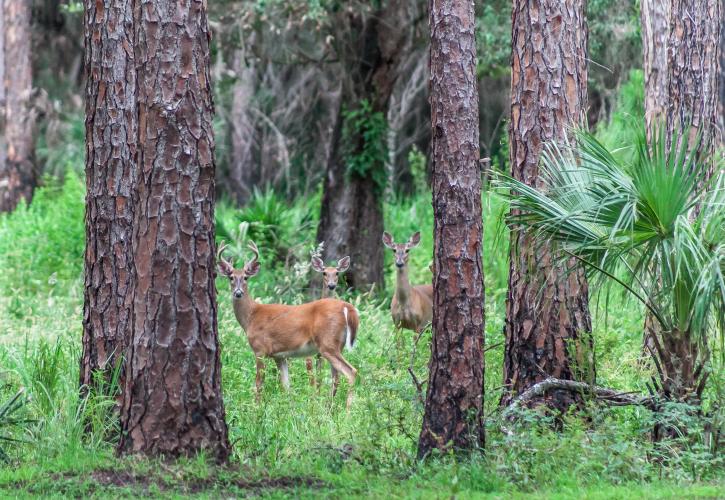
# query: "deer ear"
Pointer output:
{"type": "Point", "coordinates": [388, 240]}
{"type": "Point", "coordinates": [343, 264]}
{"type": "Point", "coordinates": [224, 268]}
{"type": "Point", "coordinates": [318, 265]}
{"type": "Point", "coordinates": [414, 240]}
{"type": "Point", "coordinates": [251, 269]}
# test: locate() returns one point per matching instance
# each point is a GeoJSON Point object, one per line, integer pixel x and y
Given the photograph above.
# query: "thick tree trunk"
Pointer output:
{"type": "Point", "coordinates": [111, 174]}
{"type": "Point", "coordinates": [18, 175]}
{"type": "Point", "coordinates": [655, 18]}
{"type": "Point", "coordinates": [454, 399]}
{"type": "Point", "coordinates": [351, 217]}
{"type": "Point", "coordinates": [693, 65]}
{"type": "Point", "coordinates": [172, 401]}
{"type": "Point", "coordinates": [547, 312]}
{"type": "Point", "coordinates": [693, 62]}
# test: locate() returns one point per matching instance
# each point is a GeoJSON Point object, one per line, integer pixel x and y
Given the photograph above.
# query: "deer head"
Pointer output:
{"type": "Point", "coordinates": [238, 277]}
{"type": "Point", "coordinates": [401, 250]}
{"type": "Point", "coordinates": [330, 274]}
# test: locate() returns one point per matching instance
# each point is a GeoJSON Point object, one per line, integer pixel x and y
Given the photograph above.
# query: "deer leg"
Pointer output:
{"type": "Point", "coordinates": [340, 364]}
{"type": "Point", "coordinates": [259, 381]}
{"type": "Point", "coordinates": [310, 373]}
{"type": "Point", "coordinates": [335, 379]}
{"type": "Point", "coordinates": [283, 368]}
{"type": "Point", "coordinates": [318, 362]}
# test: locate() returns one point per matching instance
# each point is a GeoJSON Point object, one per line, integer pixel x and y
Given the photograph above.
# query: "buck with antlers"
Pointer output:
{"type": "Point", "coordinates": [412, 306]}
{"type": "Point", "coordinates": [280, 331]}
{"type": "Point", "coordinates": [330, 276]}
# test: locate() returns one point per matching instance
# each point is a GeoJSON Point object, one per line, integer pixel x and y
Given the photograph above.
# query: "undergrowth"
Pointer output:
{"type": "Point", "coordinates": [302, 443]}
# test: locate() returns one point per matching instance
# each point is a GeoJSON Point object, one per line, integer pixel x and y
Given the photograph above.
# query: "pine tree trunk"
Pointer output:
{"type": "Point", "coordinates": [693, 64]}
{"type": "Point", "coordinates": [547, 311]}
{"type": "Point", "coordinates": [351, 217]}
{"type": "Point", "coordinates": [172, 401]}
{"type": "Point", "coordinates": [18, 175]}
{"type": "Point", "coordinates": [111, 174]}
{"type": "Point", "coordinates": [454, 399]}
{"type": "Point", "coordinates": [655, 17]}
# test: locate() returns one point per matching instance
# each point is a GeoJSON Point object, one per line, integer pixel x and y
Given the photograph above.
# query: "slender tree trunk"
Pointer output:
{"type": "Point", "coordinates": [172, 401]}
{"type": "Point", "coordinates": [655, 18]}
{"type": "Point", "coordinates": [111, 174]}
{"type": "Point", "coordinates": [693, 64]}
{"type": "Point", "coordinates": [547, 312]}
{"type": "Point", "coordinates": [242, 128]}
{"type": "Point", "coordinates": [18, 175]}
{"type": "Point", "coordinates": [655, 27]}
{"type": "Point", "coordinates": [454, 399]}
{"type": "Point", "coordinates": [351, 217]}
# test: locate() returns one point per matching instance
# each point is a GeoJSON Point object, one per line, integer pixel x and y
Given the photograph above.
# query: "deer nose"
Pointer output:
{"type": "Point", "coordinates": [331, 286]}
{"type": "Point", "coordinates": [399, 264]}
{"type": "Point", "coordinates": [238, 294]}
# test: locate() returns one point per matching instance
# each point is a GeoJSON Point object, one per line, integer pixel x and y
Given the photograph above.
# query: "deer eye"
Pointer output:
{"type": "Point", "coordinates": [336, 273]}
{"type": "Point", "coordinates": [406, 251]}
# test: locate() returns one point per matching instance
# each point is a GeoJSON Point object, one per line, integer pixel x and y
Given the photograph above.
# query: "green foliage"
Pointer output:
{"type": "Point", "coordinates": [276, 226]}
{"type": "Point", "coordinates": [647, 224]}
{"type": "Point", "coordinates": [303, 432]}
{"type": "Point", "coordinates": [616, 134]}
{"type": "Point", "coordinates": [364, 143]}
{"type": "Point", "coordinates": [417, 162]}
{"type": "Point", "coordinates": [493, 38]}
{"type": "Point", "coordinates": [9, 420]}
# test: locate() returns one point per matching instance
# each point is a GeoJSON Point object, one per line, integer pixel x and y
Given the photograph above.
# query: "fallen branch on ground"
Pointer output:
{"type": "Point", "coordinates": [603, 394]}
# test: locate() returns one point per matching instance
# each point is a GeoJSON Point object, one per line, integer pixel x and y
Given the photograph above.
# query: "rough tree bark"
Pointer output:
{"type": "Point", "coordinates": [655, 18]}
{"type": "Point", "coordinates": [111, 146]}
{"type": "Point", "coordinates": [547, 311]}
{"type": "Point", "coordinates": [454, 399]}
{"type": "Point", "coordinates": [351, 216]}
{"type": "Point", "coordinates": [693, 65]}
{"type": "Point", "coordinates": [172, 401]}
{"type": "Point", "coordinates": [18, 175]}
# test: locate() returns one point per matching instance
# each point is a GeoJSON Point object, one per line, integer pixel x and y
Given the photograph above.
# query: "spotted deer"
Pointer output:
{"type": "Point", "coordinates": [412, 305]}
{"type": "Point", "coordinates": [281, 331]}
{"type": "Point", "coordinates": [330, 276]}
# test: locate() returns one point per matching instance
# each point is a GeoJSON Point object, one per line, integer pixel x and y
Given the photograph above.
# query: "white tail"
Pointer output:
{"type": "Point", "coordinates": [412, 306]}
{"type": "Point", "coordinates": [280, 331]}
{"type": "Point", "coordinates": [348, 335]}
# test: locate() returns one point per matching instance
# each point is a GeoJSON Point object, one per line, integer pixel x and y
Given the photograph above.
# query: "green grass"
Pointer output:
{"type": "Point", "coordinates": [302, 443]}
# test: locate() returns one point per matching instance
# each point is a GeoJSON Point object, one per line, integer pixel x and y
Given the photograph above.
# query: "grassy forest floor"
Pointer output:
{"type": "Point", "coordinates": [302, 443]}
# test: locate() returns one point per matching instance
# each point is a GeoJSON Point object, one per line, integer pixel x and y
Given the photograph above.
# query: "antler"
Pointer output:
{"type": "Point", "coordinates": [253, 247]}
{"type": "Point", "coordinates": [220, 250]}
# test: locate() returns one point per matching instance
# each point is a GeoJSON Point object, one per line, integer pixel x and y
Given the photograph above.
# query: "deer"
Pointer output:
{"type": "Point", "coordinates": [330, 276]}
{"type": "Point", "coordinates": [281, 331]}
{"type": "Point", "coordinates": [412, 305]}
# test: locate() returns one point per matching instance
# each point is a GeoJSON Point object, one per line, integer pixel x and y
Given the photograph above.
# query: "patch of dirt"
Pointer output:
{"type": "Point", "coordinates": [124, 479]}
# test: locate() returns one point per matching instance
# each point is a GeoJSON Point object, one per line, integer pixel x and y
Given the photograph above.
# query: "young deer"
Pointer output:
{"type": "Point", "coordinates": [281, 331]}
{"type": "Point", "coordinates": [412, 306]}
{"type": "Point", "coordinates": [330, 276]}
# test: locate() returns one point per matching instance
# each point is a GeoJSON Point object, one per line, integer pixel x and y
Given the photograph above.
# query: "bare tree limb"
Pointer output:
{"type": "Point", "coordinates": [603, 394]}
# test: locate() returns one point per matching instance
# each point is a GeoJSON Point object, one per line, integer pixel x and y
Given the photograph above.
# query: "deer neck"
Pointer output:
{"type": "Point", "coordinates": [403, 290]}
{"type": "Point", "coordinates": [243, 309]}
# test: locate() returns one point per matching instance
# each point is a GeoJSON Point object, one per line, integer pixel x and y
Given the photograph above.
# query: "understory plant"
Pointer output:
{"type": "Point", "coordinates": [652, 221]}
